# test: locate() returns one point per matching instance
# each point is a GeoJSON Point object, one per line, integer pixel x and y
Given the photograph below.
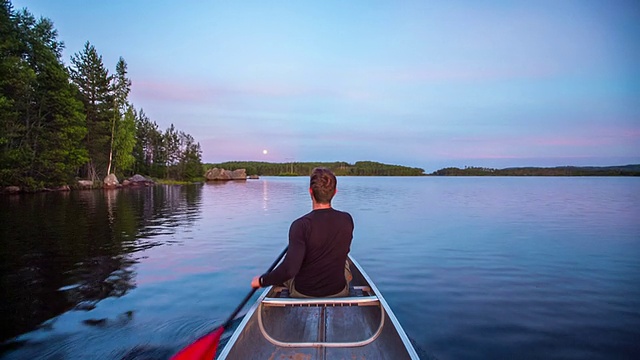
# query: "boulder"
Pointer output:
{"type": "Point", "coordinates": [139, 180]}
{"type": "Point", "coordinates": [216, 174]}
{"type": "Point", "coordinates": [111, 181]}
{"type": "Point", "coordinates": [85, 184]}
{"type": "Point", "coordinates": [61, 188]}
{"type": "Point", "coordinates": [12, 189]}
{"type": "Point", "coordinates": [254, 177]}
{"type": "Point", "coordinates": [240, 174]}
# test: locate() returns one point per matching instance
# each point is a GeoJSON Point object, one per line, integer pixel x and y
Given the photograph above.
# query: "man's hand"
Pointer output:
{"type": "Point", "coordinates": [255, 283]}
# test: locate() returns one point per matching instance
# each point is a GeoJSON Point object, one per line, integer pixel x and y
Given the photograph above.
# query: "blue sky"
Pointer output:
{"type": "Point", "coordinates": [419, 83]}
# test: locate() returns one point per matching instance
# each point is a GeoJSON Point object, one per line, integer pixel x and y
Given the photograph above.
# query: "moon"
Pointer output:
{"type": "Point", "coordinates": [265, 151]}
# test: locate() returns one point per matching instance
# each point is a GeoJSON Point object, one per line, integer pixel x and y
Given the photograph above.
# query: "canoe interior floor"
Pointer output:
{"type": "Point", "coordinates": [318, 324]}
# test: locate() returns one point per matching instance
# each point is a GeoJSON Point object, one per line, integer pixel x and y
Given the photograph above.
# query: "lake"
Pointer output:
{"type": "Point", "coordinates": [473, 267]}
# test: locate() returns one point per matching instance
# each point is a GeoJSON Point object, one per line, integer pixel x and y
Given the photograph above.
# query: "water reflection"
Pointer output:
{"type": "Point", "coordinates": [70, 250]}
{"type": "Point", "coordinates": [265, 195]}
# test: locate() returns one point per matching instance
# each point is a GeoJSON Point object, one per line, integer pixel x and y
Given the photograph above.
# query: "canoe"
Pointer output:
{"type": "Point", "coordinates": [360, 326]}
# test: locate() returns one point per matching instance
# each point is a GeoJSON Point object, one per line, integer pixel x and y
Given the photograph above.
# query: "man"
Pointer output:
{"type": "Point", "coordinates": [319, 242]}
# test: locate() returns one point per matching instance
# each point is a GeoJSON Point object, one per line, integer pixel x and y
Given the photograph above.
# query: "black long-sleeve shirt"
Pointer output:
{"type": "Point", "coordinates": [319, 243]}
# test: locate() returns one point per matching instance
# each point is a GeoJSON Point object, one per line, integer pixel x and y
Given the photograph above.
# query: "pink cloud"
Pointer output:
{"type": "Point", "coordinates": [182, 91]}
{"type": "Point", "coordinates": [173, 91]}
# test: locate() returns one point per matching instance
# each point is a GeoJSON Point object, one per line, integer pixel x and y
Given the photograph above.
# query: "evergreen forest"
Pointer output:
{"type": "Point", "coordinates": [623, 170]}
{"type": "Point", "coordinates": [340, 168]}
{"type": "Point", "coordinates": [62, 123]}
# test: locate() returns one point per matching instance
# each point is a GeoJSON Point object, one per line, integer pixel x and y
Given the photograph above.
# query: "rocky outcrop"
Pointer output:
{"type": "Point", "coordinates": [111, 181]}
{"type": "Point", "coordinates": [17, 189]}
{"type": "Point", "coordinates": [85, 184]}
{"type": "Point", "coordinates": [216, 174]}
{"type": "Point", "coordinates": [12, 189]}
{"type": "Point", "coordinates": [138, 180]}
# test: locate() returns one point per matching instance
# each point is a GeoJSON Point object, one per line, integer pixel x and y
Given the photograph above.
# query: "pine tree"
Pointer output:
{"type": "Point", "coordinates": [93, 80]}
{"type": "Point", "coordinates": [121, 135]}
{"type": "Point", "coordinates": [42, 121]}
{"type": "Point", "coordinates": [15, 80]}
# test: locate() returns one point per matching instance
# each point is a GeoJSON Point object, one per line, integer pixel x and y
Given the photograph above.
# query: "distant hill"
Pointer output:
{"type": "Point", "coordinates": [340, 168]}
{"type": "Point", "coordinates": [622, 170]}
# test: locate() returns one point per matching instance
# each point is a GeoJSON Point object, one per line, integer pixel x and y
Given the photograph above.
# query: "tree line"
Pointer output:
{"type": "Point", "coordinates": [626, 170]}
{"type": "Point", "coordinates": [61, 123]}
{"type": "Point", "coordinates": [340, 168]}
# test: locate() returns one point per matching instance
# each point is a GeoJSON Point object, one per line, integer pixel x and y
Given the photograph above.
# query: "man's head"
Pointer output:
{"type": "Point", "coordinates": [322, 185]}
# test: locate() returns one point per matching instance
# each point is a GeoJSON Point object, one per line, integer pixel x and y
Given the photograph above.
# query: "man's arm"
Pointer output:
{"type": "Point", "coordinates": [292, 261]}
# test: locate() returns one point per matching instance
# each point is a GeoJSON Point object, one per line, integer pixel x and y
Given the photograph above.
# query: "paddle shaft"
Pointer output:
{"type": "Point", "coordinates": [253, 291]}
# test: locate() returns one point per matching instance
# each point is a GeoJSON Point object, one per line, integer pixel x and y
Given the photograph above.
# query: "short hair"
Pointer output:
{"type": "Point", "coordinates": [323, 185]}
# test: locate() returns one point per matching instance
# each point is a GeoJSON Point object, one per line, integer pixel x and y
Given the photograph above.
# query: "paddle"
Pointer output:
{"type": "Point", "coordinates": [205, 347]}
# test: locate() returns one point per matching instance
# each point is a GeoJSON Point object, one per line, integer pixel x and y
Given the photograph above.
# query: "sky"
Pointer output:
{"type": "Point", "coordinates": [427, 84]}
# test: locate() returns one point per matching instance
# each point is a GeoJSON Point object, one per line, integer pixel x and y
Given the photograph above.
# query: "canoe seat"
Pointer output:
{"type": "Point", "coordinates": [283, 292]}
{"type": "Point", "coordinates": [358, 296]}
{"type": "Point", "coordinates": [335, 301]}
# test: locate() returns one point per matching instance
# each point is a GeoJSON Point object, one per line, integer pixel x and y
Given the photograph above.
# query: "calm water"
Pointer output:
{"type": "Point", "coordinates": [474, 268]}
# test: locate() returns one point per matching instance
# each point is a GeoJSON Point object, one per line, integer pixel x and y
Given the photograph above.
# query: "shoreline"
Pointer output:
{"type": "Point", "coordinates": [373, 170]}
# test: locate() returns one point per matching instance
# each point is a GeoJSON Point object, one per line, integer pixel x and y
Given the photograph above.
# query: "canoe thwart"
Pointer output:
{"type": "Point", "coordinates": [336, 301]}
{"type": "Point", "coordinates": [358, 290]}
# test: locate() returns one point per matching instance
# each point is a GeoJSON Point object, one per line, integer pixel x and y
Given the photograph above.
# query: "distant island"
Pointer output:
{"type": "Point", "coordinates": [340, 168]}
{"type": "Point", "coordinates": [372, 168]}
{"type": "Point", "coordinates": [623, 170]}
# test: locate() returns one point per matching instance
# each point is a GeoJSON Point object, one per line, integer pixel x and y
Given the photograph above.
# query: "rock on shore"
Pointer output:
{"type": "Point", "coordinates": [85, 184]}
{"type": "Point", "coordinates": [12, 189]}
{"type": "Point", "coordinates": [110, 181]}
{"type": "Point", "coordinates": [216, 174]}
{"type": "Point", "coordinates": [138, 180]}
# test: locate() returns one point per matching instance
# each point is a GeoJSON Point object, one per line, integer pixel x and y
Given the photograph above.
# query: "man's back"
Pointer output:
{"type": "Point", "coordinates": [327, 235]}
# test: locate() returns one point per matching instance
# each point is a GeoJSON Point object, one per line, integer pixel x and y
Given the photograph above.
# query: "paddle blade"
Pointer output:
{"type": "Point", "coordinates": [201, 349]}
